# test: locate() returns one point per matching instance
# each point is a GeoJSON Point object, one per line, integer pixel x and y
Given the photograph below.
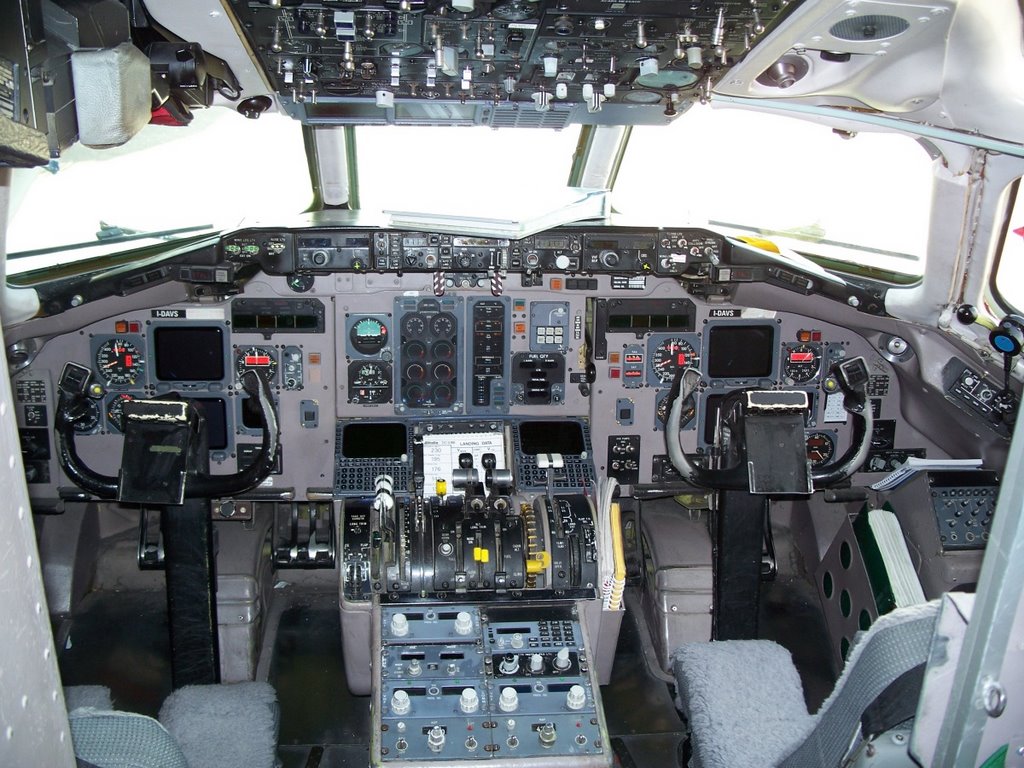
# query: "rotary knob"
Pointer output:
{"type": "Point", "coordinates": [576, 698]}
{"type": "Point", "coordinates": [463, 623]}
{"type": "Point", "coordinates": [509, 665]}
{"type": "Point", "coordinates": [399, 625]}
{"type": "Point", "coordinates": [436, 738]}
{"type": "Point", "coordinates": [562, 662]}
{"type": "Point", "coordinates": [509, 700]}
{"type": "Point", "coordinates": [469, 701]}
{"type": "Point", "coordinates": [400, 703]}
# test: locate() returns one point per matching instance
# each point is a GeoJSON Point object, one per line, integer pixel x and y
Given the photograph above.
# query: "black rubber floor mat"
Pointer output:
{"type": "Point", "coordinates": [120, 640]}
{"type": "Point", "coordinates": [309, 675]}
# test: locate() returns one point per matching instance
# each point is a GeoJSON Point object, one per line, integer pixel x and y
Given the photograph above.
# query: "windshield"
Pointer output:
{"type": "Point", "coordinates": [443, 169]}
{"type": "Point", "coordinates": [861, 200]}
{"type": "Point", "coordinates": [1010, 267]}
{"type": "Point", "coordinates": [174, 181]}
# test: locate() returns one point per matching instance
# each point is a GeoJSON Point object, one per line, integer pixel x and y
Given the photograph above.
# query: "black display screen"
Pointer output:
{"type": "Point", "coordinates": [214, 410]}
{"type": "Point", "coordinates": [189, 353]}
{"type": "Point", "coordinates": [565, 437]}
{"type": "Point", "coordinates": [658, 322]}
{"type": "Point", "coordinates": [373, 440]}
{"type": "Point", "coordinates": [741, 351]}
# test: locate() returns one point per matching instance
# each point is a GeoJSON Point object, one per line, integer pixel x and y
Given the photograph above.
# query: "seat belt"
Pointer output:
{"type": "Point", "coordinates": [896, 644]}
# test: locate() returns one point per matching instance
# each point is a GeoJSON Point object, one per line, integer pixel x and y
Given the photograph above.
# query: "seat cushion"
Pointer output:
{"type": "Point", "coordinates": [95, 696]}
{"type": "Point", "coordinates": [122, 740]}
{"type": "Point", "coordinates": [224, 726]}
{"type": "Point", "coordinates": [743, 701]}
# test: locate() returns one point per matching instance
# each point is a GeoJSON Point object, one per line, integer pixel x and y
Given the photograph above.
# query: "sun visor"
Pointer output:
{"type": "Point", "coordinates": [112, 94]}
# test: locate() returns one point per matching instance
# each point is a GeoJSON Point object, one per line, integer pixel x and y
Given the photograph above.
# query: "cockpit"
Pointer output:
{"type": "Point", "coordinates": [521, 384]}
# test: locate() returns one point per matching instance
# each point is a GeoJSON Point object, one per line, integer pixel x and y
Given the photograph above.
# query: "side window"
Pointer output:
{"type": "Point", "coordinates": [1009, 277]}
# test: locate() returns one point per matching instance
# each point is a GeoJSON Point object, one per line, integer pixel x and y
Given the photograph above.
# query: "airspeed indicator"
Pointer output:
{"type": "Point", "coordinates": [671, 355]}
{"type": "Point", "coordinates": [119, 363]}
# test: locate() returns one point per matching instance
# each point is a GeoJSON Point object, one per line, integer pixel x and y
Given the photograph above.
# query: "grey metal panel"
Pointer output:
{"type": "Point", "coordinates": [990, 660]}
{"type": "Point", "coordinates": [35, 724]}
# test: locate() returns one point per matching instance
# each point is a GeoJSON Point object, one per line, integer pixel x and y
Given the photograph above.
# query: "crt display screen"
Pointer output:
{"type": "Point", "coordinates": [214, 410]}
{"type": "Point", "coordinates": [189, 353]}
{"type": "Point", "coordinates": [741, 351]}
{"type": "Point", "coordinates": [373, 441]}
{"type": "Point", "coordinates": [565, 437]}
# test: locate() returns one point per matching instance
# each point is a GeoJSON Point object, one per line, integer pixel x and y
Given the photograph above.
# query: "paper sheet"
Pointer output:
{"type": "Point", "coordinates": [441, 456]}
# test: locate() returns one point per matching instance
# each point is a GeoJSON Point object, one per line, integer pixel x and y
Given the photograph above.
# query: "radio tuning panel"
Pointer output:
{"type": "Point", "coordinates": [464, 681]}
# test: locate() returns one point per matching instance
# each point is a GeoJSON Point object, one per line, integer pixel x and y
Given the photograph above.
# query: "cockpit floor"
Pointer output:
{"type": "Point", "coordinates": [322, 724]}
{"type": "Point", "coordinates": [119, 639]}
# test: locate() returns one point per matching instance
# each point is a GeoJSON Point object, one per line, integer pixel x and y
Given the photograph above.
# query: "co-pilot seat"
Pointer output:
{"type": "Point", "coordinates": [744, 704]}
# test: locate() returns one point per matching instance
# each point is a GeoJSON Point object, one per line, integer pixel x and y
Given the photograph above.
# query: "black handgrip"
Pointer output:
{"type": "Point", "coordinates": [852, 375]}
{"type": "Point", "coordinates": [72, 388]}
{"type": "Point", "coordinates": [74, 384]}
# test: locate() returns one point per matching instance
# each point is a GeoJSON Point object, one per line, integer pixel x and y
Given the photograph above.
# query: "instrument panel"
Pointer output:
{"type": "Point", "coordinates": [566, 343]}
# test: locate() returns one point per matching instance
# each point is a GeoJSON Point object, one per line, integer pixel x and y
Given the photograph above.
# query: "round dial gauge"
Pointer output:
{"type": "Point", "coordinates": [115, 410]}
{"type": "Point", "coordinates": [300, 282]}
{"type": "Point", "coordinates": [413, 326]}
{"type": "Point", "coordinates": [513, 11]}
{"type": "Point", "coordinates": [821, 447]}
{"type": "Point", "coordinates": [88, 418]}
{"type": "Point", "coordinates": [257, 359]}
{"type": "Point", "coordinates": [369, 382]}
{"type": "Point", "coordinates": [671, 355]}
{"type": "Point", "coordinates": [119, 363]}
{"type": "Point", "coordinates": [802, 362]}
{"type": "Point", "coordinates": [368, 335]}
{"type": "Point", "coordinates": [402, 49]}
{"type": "Point", "coordinates": [661, 409]}
{"type": "Point", "coordinates": [442, 325]}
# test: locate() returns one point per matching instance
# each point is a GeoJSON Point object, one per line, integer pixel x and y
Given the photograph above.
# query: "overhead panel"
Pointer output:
{"type": "Point", "coordinates": [504, 63]}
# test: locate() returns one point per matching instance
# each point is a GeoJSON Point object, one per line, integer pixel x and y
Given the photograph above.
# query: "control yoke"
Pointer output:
{"type": "Point", "coordinates": [761, 433]}
{"type": "Point", "coordinates": [165, 456]}
{"type": "Point", "coordinates": [165, 465]}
